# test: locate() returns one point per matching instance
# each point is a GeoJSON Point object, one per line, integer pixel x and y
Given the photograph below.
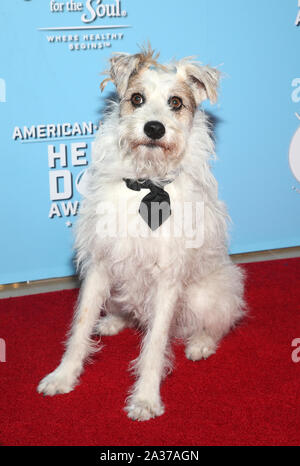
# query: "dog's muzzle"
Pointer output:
{"type": "Point", "coordinates": [154, 129]}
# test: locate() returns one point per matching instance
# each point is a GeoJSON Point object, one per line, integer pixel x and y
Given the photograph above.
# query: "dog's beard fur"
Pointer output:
{"type": "Point", "coordinates": [151, 160]}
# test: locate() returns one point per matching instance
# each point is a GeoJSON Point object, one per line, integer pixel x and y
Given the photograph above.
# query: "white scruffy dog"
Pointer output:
{"type": "Point", "coordinates": [173, 279]}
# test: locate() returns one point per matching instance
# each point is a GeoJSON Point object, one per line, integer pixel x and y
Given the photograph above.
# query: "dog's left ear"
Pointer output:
{"type": "Point", "coordinates": [203, 80]}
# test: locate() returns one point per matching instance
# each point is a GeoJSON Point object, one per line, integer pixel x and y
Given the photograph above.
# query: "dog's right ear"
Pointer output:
{"type": "Point", "coordinates": [122, 67]}
{"type": "Point", "coordinates": [125, 65]}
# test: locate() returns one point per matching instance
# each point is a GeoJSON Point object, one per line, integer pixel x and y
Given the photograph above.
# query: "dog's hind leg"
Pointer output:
{"type": "Point", "coordinates": [200, 346]}
{"type": "Point", "coordinates": [215, 305]}
{"type": "Point", "coordinates": [93, 294]}
{"type": "Point", "coordinates": [111, 325]}
{"type": "Point", "coordinates": [114, 321]}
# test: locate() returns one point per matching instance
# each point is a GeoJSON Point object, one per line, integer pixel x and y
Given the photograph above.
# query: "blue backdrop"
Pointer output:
{"type": "Point", "coordinates": [51, 56]}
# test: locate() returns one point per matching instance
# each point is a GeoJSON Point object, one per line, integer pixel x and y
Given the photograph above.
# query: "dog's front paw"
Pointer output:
{"type": "Point", "coordinates": [201, 348]}
{"type": "Point", "coordinates": [58, 381]}
{"type": "Point", "coordinates": [143, 410]}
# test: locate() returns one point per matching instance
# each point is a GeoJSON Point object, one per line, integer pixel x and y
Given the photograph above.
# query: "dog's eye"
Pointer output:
{"type": "Point", "coordinates": [137, 100]}
{"type": "Point", "coordinates": [175, 103]}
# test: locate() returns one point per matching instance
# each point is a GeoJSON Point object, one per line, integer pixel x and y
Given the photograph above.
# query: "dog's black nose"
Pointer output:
{"type": "Point", "coordinates": [154, 129]}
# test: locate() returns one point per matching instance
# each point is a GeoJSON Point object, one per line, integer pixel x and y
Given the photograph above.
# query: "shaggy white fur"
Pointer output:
{"type": "Point", "coordinates": [177, 281]}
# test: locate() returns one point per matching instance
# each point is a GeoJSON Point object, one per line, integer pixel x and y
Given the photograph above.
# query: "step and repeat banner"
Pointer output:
{"type": "Point", "coordinates": [51, 55]}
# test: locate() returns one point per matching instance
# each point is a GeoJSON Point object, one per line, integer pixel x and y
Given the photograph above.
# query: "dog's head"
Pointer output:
{"type": "Point", "coordinates": [157, 106]}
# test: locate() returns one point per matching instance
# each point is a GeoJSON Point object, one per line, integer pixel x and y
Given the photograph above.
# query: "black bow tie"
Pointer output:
{"type": "Point", "coordinates": [155, 206]}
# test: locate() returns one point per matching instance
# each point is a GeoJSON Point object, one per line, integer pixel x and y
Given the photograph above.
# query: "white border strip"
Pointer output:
{"type": "Point", "coordinates": [72, 28]}
{"type": "Point", "coordinates": [66, 138]}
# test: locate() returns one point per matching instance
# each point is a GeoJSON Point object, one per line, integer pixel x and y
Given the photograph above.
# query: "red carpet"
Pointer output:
{"type": "Point", "coordinates": [246, 394]}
